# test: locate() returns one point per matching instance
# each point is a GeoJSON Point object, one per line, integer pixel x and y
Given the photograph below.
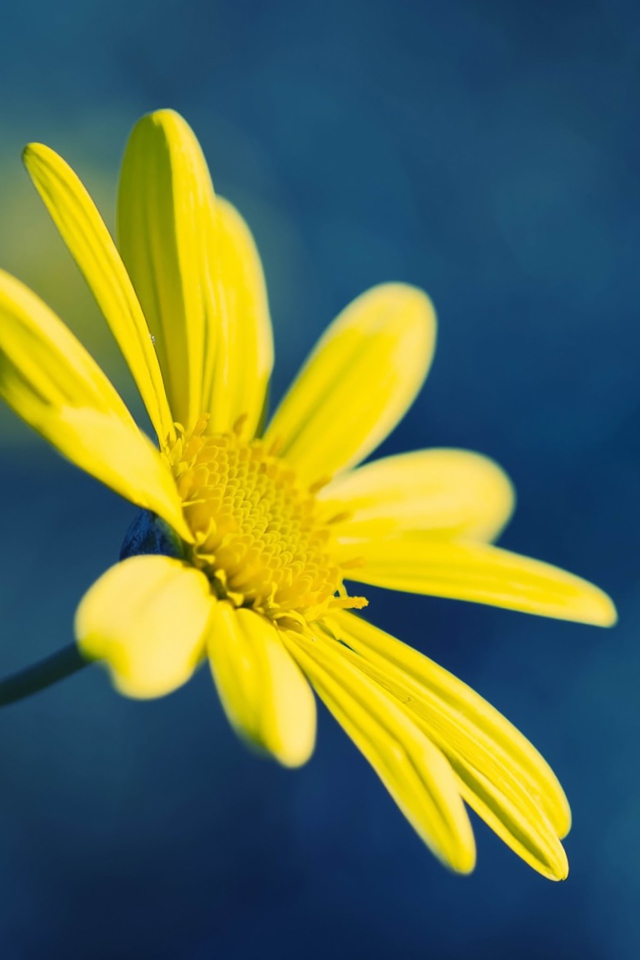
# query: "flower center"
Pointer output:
{"type": "Point", "coordinates": [260, 535]}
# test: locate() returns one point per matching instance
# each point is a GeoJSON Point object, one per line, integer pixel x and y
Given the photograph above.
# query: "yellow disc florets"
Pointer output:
{"type": "Point", "coordinates": [259, 533]}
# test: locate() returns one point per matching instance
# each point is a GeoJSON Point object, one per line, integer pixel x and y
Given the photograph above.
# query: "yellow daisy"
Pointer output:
{"type": "Point", "coordinates": [246, 538]}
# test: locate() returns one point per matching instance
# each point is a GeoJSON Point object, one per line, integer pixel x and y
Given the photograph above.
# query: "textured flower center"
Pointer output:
{"type": "Point", "coordinates": [260, 535]}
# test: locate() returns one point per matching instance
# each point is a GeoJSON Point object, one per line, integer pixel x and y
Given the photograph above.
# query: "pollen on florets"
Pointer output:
{"type": "Point", "coordinates": [259, 533]}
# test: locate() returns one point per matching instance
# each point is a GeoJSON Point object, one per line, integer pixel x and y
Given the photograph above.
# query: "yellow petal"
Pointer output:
{"type": "Point", "coordinates": [446, 493]}
{"type": "Point", "coordinates": [50, 381]}
{"type": "Point", "coordinates": [503, 777]}
{"type": "Point", "coordinates": [412, 769]}
{"type": "Point", "coordinates": [480, 573]}
{"type": "Point", "coordinates": [264, 694]}
{"type": "Point", "coordinates": [515, 819]}
{"type": "Point", "coordinates": [166, 227]}
{"type": "Point", "coordinates": [146, 619]}
{"type": "Point", "coordinates": [244, 355]}
{"type": "Point", "coordinates": [197, 272]}
{"type": "Point", "coordinates": [359, 381]}
{"type": "Point", "coordinates": [93, 249]}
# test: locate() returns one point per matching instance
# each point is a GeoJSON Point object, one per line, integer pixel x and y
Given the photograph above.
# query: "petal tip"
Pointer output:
{"type": "Point", "coordinates": [291, 759]}
{"type": "Point", "coordinates": [413, 301]}
{"type": "Point", "coordinates": [552, 863]}
{"type": "Point", "coordinates": [599, 609]}
{"type": "Point", "coordinates": [34, 153]}
{"type": "Point", "coordinates": [560, 869]}
{"type": "Point", "coordinates": [611, 617]}
{"type": "Point", "coordinates": [463, 861]}
{"type": "Point", "coordinates": [165, 119]}
{"type": "Point", "coordinates": [28, 150]}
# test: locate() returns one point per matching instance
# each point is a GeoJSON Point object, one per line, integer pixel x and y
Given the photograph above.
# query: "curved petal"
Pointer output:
{"type": "Point", "coordinates": [446, 493]}
{"type": "Point", "coordinates": [166, 222]}
{"type": "Point", "coordinates": [412, 769]}
{"type": "Point", "coordinates": [264, 694]}
{"type": "Point", "coordinates": [244, 354]}
{"type": "Point", "coordinates": [197, 272]}
{"type": "Point", "coordinates": [482, 574]}
{"type": "Point", "coordinates": [515, 819]}
{"type": "Point", "coordinates": [93, 249]}
{"type": "Point", "coordinates": [503, 777]}
{"type": "Point", "coordinates": [49, 380]}
{"type": "Point", "coordinates": [145, 618]}
{"type": "Point", "coordinates": [359, 381]}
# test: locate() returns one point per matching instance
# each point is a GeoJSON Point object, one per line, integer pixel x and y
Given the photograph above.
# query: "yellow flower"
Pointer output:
{"type": "Point", "coordinates": [247, 539]}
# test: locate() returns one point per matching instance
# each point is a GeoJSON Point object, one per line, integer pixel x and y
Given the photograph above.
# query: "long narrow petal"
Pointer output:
{"type": "Point", "coordinates": [49, 380]}
{"type": "Point", "coordinates": [446, 493]}
{"type": "Point", "coordinates": [266, 697]}
{"type": "Point", "coordinates": [503, 776]}
{"type": "Point", "coordinates": [480, 573]}
{"type": "Point", "coordinates": [145, 618]}
{"type": "Point", "coordinates": [93, 249]}
{"type": "Point", "coordinates": [237, 384]}
{"type": "Point", "coordinates": [166, 228]}
{"type": "Point", "coordinates": [412, 769]}
{"type": "Point", "coordinates": [359, 381]}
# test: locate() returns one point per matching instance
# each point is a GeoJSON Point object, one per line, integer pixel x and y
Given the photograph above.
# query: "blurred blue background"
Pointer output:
{"type": "Point", "coordinates": [489, 152]}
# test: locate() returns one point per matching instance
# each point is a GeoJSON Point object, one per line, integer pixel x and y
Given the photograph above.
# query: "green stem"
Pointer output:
{"type": "Point", "coordinates": [41, 675]}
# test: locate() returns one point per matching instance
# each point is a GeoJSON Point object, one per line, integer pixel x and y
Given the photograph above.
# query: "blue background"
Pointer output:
{"type": "Point", "coordinates": [489, 152]}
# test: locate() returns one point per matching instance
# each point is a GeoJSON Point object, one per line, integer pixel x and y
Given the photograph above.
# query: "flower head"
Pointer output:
{"type": "Point", "coordinates": [247, 541]}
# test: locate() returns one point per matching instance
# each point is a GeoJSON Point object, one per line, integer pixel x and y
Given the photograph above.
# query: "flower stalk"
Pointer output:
{"type": "Point", "coordinates": [64, 663]}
